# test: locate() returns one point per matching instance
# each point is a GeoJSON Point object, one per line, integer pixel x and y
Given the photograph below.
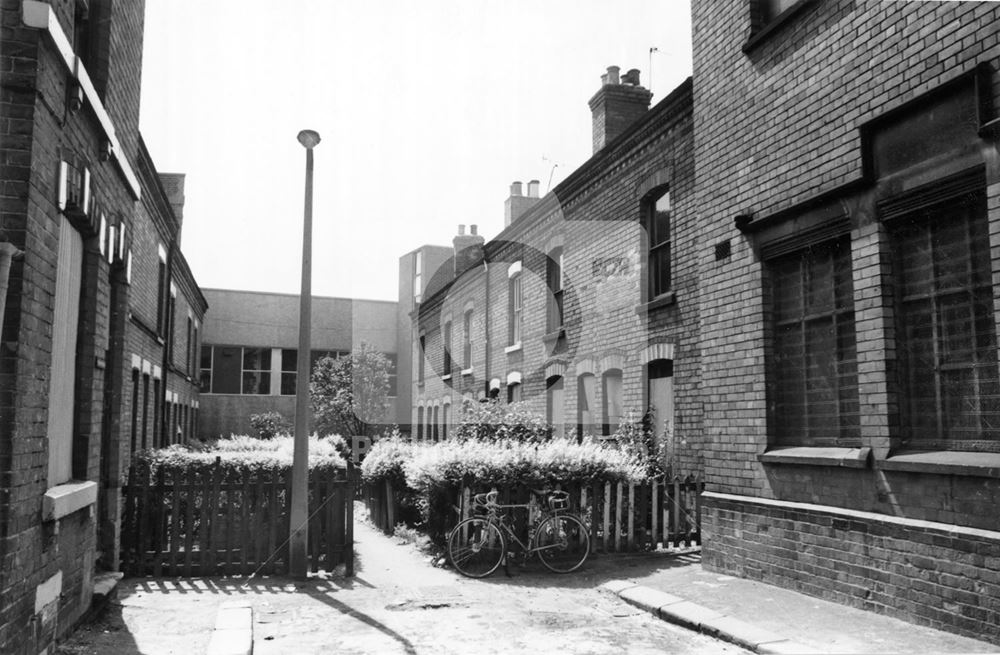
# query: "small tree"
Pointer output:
{"type": "Point", "coordinates": [350, 394]}
{"type": "Point", "coordinates": [270, 424]}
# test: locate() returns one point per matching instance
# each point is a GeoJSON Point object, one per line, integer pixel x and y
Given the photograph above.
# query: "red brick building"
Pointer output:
{"type": "Point", "coordinates": [847, 152]}
{"type": "Point", "coordinates": [586, 305]}
{"type": "Point", "coordinates": [101, 314]}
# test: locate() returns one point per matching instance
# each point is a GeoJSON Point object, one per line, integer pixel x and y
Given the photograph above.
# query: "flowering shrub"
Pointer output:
{"type": "Point", "coordinates": [385, 459]}
{"type": "Point", "coordinates": [244, 454]}
{"type": "Point", "coordinates": [493, 420]}
{"type": "Point", "coordinates": [270, 424]}
{"type": "Point", "coordinates": [508, 461]}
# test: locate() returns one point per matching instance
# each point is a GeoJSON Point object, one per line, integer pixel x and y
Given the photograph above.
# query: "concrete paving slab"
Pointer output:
{"type": "Point", "coordinates": [786, 647]}
{"type": "Point", "coordinates": [740, 632]}
{"type": "Point", "coordinates": [617, 586]}
{"type": "Point", "coordinates": [648, 599]}
{"type": "Point", "coordinates": [688, 614]}
{"type": "Point", "coordinates": [233, 634]}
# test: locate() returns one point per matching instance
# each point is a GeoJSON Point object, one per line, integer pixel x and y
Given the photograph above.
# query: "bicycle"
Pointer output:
{"type": "Point", "coordinates": [478, 545]}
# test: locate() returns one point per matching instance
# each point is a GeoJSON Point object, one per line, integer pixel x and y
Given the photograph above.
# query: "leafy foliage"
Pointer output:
{"type": "Point", "coordinates": [349, 395]}
{"type": "Point", "coordinates": [385, 460]}
{"type": "Point", "coordinates": [493, 420]}
{"type": "Point", "coordinates": [244, 454]}
{"type": "Point", "coordinates": [270, 424]}
{"type": "Point", "coordinates": [637, 439]}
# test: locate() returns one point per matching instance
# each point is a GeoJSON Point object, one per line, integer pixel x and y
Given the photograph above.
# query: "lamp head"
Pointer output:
{"type": "Point", "coordinates": [309, 139]}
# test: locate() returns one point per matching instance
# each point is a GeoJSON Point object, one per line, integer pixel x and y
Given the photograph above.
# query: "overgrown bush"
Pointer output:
{"type": "Point", "coordinates": [635, 437]}
{"type": "Point", "coordinates": [493, 420]}
{"type": "Point", "coordinates": [244, 454]}
{"type": "Point", "coordinates": [270, 424]}
{"type": "Point", "coordinates": [385, 460]}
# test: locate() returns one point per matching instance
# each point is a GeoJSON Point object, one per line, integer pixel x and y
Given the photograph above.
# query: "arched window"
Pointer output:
{"type": "Point", "coordinates": [611, 388]}
{"type": "Point", "coordinates": [660, 391]}
{"type": "Point", "coordinates": [555, 412]}
{"type": "Point", "coordinates": [586, 403]}
{"type": "Point", "coordinates": [420, 423]}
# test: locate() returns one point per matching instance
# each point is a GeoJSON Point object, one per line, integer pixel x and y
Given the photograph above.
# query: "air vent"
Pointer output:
{"type": "Point", "coordinates": [723, 250]}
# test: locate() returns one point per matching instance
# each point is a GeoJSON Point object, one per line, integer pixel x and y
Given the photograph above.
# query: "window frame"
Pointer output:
{"type": "Point", "coordinates": [657, 247]}
{"type": "Point", "coordinates": [555, 281]}
{"type": "Point", "coordinates": [780, 389]}
{"type": "Point", "coordinates": [515, 306]}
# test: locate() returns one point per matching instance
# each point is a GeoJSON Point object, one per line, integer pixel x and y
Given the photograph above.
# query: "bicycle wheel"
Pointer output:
{"type": "Point", "coordinates": [562, 543]}
{"type": "Point", "coordinates": [476, 547]}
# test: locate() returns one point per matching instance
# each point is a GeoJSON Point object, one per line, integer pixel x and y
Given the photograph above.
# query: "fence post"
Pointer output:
{"type": "Point", "coordinates": [349, 529]}
{"type": "Point", "coordinates": [390, 508]}
{"type": "Point", "coordinates": [607, 517]}
{"type": "Point", "coordinates": [654, 488]}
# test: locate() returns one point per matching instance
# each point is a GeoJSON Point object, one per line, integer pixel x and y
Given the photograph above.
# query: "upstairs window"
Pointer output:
{"type": "Point", "coordinates": [658, 226]}
{"type": "Point", "coordinates": [421, 356]}
{"type": "Point", "coordinates": [161, 292]}
{"type": "Point", "coordinates": [554, 279]}
{"type": "Point", "coordinates": [206, 369]}
{"type": "Point", "coordinates": [446, 346]}
{"type": "Point", "coordinates": [467, 340]}
{"type": "Point", "coordinates": [813, 377]}
{"type": "Point", "coordinates": [418, 275]}
{"type": "Point", "coordinates": [514, 309]}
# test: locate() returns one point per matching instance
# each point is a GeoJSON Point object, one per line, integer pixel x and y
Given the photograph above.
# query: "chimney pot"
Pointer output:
{"type": "Point", "coordinates": [461, 230]}
{"type": "Point", "coordinates": [533, 189]}
{"type": "Point", "coordinates": [472, 230]}
{"type": "Point", "coordinates": [515, 189]}
{"type": "Point", "coordinates": [631, 77]}
{"type": "Point", "coordinates": [613, 74]}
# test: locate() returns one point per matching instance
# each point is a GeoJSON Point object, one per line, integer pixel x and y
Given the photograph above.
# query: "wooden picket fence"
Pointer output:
{"type": "Point", "coordinates": [659, 513]}
{"type": "Point", "coordinates": [222, 522]}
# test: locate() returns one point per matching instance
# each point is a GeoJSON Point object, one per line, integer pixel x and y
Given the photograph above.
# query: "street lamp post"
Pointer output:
{"type": "Point", "coordinates": [299, 524]}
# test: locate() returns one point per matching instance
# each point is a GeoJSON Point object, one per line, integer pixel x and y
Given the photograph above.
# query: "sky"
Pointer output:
{"type": "Point", "coordinates": [427, 112]}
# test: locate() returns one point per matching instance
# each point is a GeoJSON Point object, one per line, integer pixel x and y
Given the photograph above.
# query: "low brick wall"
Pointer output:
{"type": "Point", "coordinates": [943, 576]}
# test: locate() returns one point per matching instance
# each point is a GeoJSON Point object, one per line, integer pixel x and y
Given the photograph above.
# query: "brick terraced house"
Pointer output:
{"type": "Point", "coordinates": [847, 152]}
{"type": "Point", "coordinates": [585, 306]}
{"type": "Point", "coordinates": [100, 313]}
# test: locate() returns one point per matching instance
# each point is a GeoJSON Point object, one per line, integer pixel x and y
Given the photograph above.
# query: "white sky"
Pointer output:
{"type": "Point", "coordinates": [427, 110]}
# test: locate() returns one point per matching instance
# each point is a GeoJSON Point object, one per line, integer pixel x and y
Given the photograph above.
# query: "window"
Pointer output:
{"type": "Point", "coordinates": [554, 279]}
{"type": "Point", "coordinates": [467, 340]}
{"type": "Point", "coordinates": [555, 405]}
{"type": "Point", "coordinates": [950, 394]}
{"type": "Point", "coordinates": [418, 275]}
{"type": "Point", "coordinates": [445, 411]}
{"type": "Point", "coordinates": [813, 381]}
{"type": "Point", "coordinates": [256, 371]}
{"type": "Point", "coordinates": [658, 226]}
{"type": "Point", "coordinates": [420, 423]}
{"type": "Point", "coordinates": [206, 369]}
{"type": "Point", "coordinates": [393, 375]}
{"type": "Point", "coordinates": [145, 411]}
{"type": "Point", "coordinates": [157, 415]}
{"type": "Point", "coordinates": [134, 423]}
{"type": "Point", "coordinates": [194, 349]}
{"type": "Point", "coordinates": [171, 311]}
{"type": "Point", "coordinates": [188, 365]}
{"type": "Point", "coordinates": [289, 370]}
{"type": "Point", "coordinates": [161, 292]}
{"type": "Point", "coordinates": [62, 375]}
{"type": "Point", "coordinates": [421, 355]}
{"type": "Point", "coordinates": [514, 307]}
{"type": "Point", "coordinates": [586, 403]}
{"type": "Point", "coordinates": [446, 346]}
{"type": "Point", "coordinates": [436, 423]}
{"type": "Point", "coordinates": [611, 409]}
{"type": "Point", "coordinates": [660, 391]}
{"type": "Point", "coordinates": [768, 10]}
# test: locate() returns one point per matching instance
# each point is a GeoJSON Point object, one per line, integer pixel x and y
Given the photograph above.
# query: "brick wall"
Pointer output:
{"type": "Point", "coordinates": [777, 125]}
{"type": "Point", "coordinates": [933, 574]}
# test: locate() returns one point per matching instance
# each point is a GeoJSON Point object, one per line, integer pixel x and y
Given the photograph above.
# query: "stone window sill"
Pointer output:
{"type": "Point", "coordinates": [812, 456]}
{"type": "Point", "coordinates": [467, 371]}
{"type": "Point", "coordinates": [512, 348]}
{"type": "Point", "coordinates": [64, 499]}
{"type": "Point", "coordinates": [946, 462]}
{"type": "Point", "coordinates": [446, 377]}
{"type": "Point", "coordinates": [663, 300]}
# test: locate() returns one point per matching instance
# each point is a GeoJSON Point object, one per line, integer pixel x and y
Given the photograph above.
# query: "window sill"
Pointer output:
{"type": "Point", "coordinates": [64, 499]}
{"type": "Point", "coordinates": [512, 349]}
{"type": "Point", "coordinates": [467, 371]}
{"type": "Point", "coordinates": [947, 462]}
{"type": "Point", "coordinates": [856, 458]}
{"type": "Point", "coordinates": [662, 300]}
{"type": "Point", "coordinates": [420, 384]}
{"type": "Point", "coordinates": [551, 338]}
{"type": "Point", "coordinates": [775, 25]}
{"type": "Point", "coordinates": [446, 377]}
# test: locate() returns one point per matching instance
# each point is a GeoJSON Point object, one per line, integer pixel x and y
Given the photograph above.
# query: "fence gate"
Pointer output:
{"type": "Point", "coordinates": [219, 521]}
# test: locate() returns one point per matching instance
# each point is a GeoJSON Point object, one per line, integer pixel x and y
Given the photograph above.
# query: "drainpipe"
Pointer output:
{"type": "Point", "coordinates": [486, 323]}
{"type": "Point", "coordinates": [8, 252]}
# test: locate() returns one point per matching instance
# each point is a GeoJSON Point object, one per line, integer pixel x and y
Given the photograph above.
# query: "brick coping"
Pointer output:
{"type": "Point", "coordinates": [921, 524]}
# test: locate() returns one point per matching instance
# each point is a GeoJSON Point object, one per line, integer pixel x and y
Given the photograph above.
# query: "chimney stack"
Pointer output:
{"type": "Point", "coordinates": [617, 105]}
{"type": "Point", "coordinates": [468, 249]}
{"type": "Point", "coordinates": [516, 205]}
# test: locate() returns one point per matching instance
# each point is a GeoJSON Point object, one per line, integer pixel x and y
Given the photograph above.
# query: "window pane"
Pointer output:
{"type": "Point", "coordinates": [812, 381]}
{"type": "Point", "coordinates": [226, 369]}
{"type": "Point", "coordinates": [947, 335]}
